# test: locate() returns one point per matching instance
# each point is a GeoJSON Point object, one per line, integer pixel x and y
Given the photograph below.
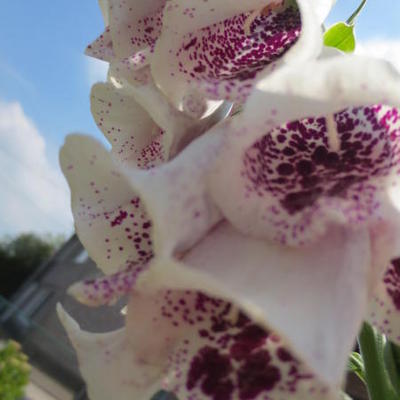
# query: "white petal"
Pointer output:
{"type": "Point", "coordinates": [127, 126]}
{"type": "Point", "coordinates": [194, 346]}
{"type": "Point", "coordinates": [110, 219]}
{"type": "Point", "coordinates": [384, 307]}
{"type": "Point", "coordinates": [204, 52]}
{"type": "Point", "coordinates": [134, 24]}
{"type": "Point", "coordinates": [176, 197]}
{"type": "Point", "coordinates": [179, 129]}
{"type": "Point", "coordinates": [107, 364]}
{"type": "Point", "coordinates": [108, 289]}
{"type": "Point", "coordinates": [322, 8]}
{"type": "Point", "coordinates": [102, 47]}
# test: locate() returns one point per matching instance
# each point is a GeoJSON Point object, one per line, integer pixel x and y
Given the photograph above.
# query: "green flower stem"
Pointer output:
{"type": "Point", "coordinates": [353, 16]}
{"type": "Point", "coordinates": [372, 350]}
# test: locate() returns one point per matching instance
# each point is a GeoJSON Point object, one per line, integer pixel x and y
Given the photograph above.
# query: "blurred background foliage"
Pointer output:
{"type": "Point", "coordinates": [21, 255]}
{"type": "Point", "coordinates": [14, 371]}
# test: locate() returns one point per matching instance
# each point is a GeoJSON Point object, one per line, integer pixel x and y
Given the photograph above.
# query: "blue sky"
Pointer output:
{"type": "Point", "coordinates": [379, 17]}
{"type": "Point", "coordinates": [45, 82]}
{"type": "Point", "coordinates": [42, 63]}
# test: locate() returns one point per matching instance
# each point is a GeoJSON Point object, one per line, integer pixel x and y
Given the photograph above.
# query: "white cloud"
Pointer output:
{"type": "Point", "coordinates": [34, 195]}
{"type": "Point", "coordinates": [387, 49]}
{"type": "Point", "coordinates": [96, 70]}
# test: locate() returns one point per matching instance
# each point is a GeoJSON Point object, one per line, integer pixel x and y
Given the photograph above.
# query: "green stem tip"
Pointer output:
{"type": "Point", "coordinates": [353, 16]}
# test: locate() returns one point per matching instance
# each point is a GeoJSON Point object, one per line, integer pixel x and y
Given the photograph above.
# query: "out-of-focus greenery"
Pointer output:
{"type": "Point", "coordinates": [14, 371]}
{"type": "Point", "coordinates": [20, 256]}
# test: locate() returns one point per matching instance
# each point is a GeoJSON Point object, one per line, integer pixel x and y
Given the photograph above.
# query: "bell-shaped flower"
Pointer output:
{"type": "Point", "coordinates": [143, 128]}
{"type": "Point", "coordinates": [217, 50]}
{"type": "Point", "coordinates": [183, 341]}
{"type": "Point", "coordinates": [191, 345]}
{"type": "Point", "coordinates": [212, 50]}
{"type": "Point", "coordinates": [144, 131]}
{"type": "Point", "coordinates": [287, 211]}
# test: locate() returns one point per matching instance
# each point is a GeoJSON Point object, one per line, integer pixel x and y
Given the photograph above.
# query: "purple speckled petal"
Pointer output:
{"type": "Point", "coordinates": [134, 136]}
{"type": "Point", "coordinates": [134, 24]}
{"type": "Point", "coordinates": [176, 195]}
{"type": "Point", "coordinates": [133, 68]}
{"type": "Point", "coordinates": [143, 128]}
{"type": "Point", "coordinates": [384, 306]}
{"type": "Point", "coordinates": [107, 289]}
{"type": "Point", "coordinates": [305, 181]}
{"type": "Point", "coordinates": [223, 58]}
{"type": "Point", "coordinates": [384, 309]}
{"type": "Point", "coordinates": [102, 47]}
{"type": "Point", "coordinates": [331, 164]}
{"type": "Point", "coordinates": [110, 219]}
{"type": "Point", "coordinates": [195, 346]}
{"type": "Point", "coordinates": [272, 284]}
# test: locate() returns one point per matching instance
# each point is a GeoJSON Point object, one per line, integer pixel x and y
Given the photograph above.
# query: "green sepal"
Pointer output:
{"type": "Point", "coordinates": [341, 37]}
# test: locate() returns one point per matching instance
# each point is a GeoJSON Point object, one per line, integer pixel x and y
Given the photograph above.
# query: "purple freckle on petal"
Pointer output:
{"type": "Point", "coordinates": [257, 375]}
{"type": "Point", "coordinates": [119, 219]}
{"type": "Point", "coordinates": [247, 340]}
{"type": "Point", "coordinates": [284, 355]}
{"type": "Point", "coordinates": [212, 369]}
{"type": "Point", "coordinates": [285, 169]}
{"type": "Point", "coordinates": [305, 167]}
{"type": "Point", "coordinates": [392, 282]}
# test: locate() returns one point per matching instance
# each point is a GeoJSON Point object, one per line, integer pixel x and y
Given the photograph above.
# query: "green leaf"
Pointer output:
{"type": "Point", "coordinates": [356, 365]}
{"type": "Point", "coordinates": [391, 364]}
{"type": "Point", "coordinates": [396, 355]}
{"type": "Point", "coordinates": [341, 36]}
{"type": "Point", "coordinates": [372, 345]}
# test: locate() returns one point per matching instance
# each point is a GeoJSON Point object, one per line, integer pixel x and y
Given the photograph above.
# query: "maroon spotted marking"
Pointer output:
{"type": "Point", "coordinates": [232, 360]}
{"type": "Point", "coordinates": [108, 289]}
{"type": "Point", "coordinates": [295, 167]}
{"type": "Point", "coordinates": [141, 32]}
{"type": "Point", "coordinates": [128, 222]}
{"type": "Point", "coordinates": [392, 282]}
{"type": "Point", "coordinates": [102, 47]}
{"type": "Point", "coordinates": [152, 155]}
{"type": "Point", "coordinates": [247, 340]}
{"type": "Point", "coordinates": [228, 57]}
{"type": "Point", "coordinates": [257, 375]}
{"type": "Point", "coordinates": [212, 369]}
{"type": "Point", "coordinates": [124, 137]}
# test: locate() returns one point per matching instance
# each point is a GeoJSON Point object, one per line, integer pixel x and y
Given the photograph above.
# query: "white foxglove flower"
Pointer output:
{"type": "Point", "coordinates": [214, 50]}
{"type": "Point", "coordinates": [287, 211]}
